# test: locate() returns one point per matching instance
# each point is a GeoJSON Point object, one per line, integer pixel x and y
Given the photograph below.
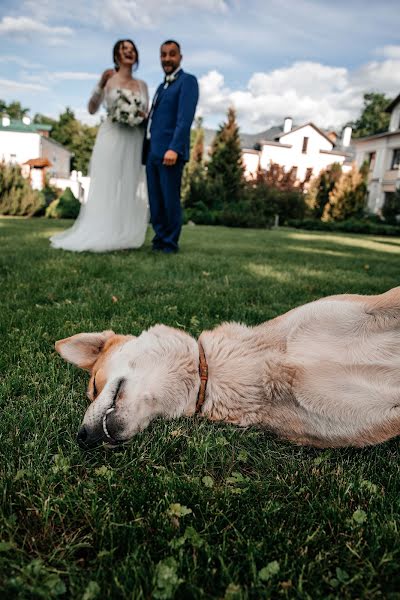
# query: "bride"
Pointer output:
{"type": "Point", "coordinates": [115, 215]}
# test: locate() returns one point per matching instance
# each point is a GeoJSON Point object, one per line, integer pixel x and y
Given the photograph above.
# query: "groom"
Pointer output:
{"type": "Point", "coordinates": [167, 146]}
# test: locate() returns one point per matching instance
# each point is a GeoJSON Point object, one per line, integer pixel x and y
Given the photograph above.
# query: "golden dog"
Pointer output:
{"type": "Point", "coordinates": [326, 374]}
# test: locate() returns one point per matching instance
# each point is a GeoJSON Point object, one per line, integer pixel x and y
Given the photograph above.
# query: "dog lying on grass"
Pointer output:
{"type": "Point", "coordinates": [325, 374]}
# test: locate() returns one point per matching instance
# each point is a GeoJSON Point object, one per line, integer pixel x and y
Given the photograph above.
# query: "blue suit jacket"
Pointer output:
{"type": "Point", "coordinates": [173, 114]}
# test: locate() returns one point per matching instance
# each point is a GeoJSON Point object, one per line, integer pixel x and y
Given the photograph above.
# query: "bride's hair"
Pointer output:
{"type": "Point", "coordinates": [116, 51]}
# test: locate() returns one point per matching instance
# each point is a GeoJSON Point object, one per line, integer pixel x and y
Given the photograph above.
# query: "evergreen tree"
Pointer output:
{"type": "Point", "coordinates": [373, 118]}
{"type": "Point", "coordinates": [225, 172]}
{"type": "Point", "coordinates": [347, 198]}
{"type": "Point", "coordinates": [321, 188]}
{"type": "Point", "coordinates": [16, 195]}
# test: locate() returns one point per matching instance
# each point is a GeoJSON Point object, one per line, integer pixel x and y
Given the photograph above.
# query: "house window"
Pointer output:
{"type": "Point", "coordinates": [371, 160]}
{"type": "Point", "coordinates": [305, 144]}
{"type": "Point", "coordinates": [396, 159]}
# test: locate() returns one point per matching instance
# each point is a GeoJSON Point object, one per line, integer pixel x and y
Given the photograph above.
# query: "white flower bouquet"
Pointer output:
{"type": "Point", "coordinates": [127, 109]}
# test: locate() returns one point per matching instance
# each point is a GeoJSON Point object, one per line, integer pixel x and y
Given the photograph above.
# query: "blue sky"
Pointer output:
{"type": "Point", "coordinates": [310, 59]}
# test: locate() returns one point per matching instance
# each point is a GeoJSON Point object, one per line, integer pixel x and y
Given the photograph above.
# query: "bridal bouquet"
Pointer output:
{"type": "Point", "coordinates": [126, 109]}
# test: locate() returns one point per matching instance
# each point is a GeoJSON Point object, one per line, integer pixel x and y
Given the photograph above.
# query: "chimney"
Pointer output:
{"type": "Point", "coordinates": [26, 120]}
{"type": "Point", "coordinates": [346, 136]}
{"type": "Point", "coordinates": [5, 120]}
{"type": "Point", "coordinates": [287, 124]}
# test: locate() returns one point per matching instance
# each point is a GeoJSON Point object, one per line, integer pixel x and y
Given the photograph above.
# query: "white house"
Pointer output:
{"type": "Point", "coordinates": [29, 145]}
{"type": "Point", "coordinates": [306, 148]}
{"type": "Point", "coordinates": [382, 151]}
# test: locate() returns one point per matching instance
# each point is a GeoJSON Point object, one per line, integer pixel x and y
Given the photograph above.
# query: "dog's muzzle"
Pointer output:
{"type": "Point", "coordinates": [90, 437]}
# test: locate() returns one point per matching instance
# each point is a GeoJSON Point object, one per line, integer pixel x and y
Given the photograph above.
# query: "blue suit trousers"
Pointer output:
{"type": "Point", "coordinates": [164, 186]}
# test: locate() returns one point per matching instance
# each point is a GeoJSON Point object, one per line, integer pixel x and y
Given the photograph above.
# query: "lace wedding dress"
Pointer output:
{"type": "Point", "coordinates": [115, 215]}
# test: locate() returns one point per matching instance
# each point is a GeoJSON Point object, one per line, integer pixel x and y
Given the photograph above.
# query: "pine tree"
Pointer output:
{"type": "Point", "coordinates": [321, 188]}
{"type": "Point", "coordinates": [347, 198]}
{"type": "Point", "coordinates": [225, 172]}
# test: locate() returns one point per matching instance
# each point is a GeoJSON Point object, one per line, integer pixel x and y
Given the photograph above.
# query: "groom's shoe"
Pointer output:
{"type": "Point", "coordinates": [170, 250]}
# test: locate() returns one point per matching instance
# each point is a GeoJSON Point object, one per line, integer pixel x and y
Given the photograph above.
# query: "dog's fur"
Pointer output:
{"type": "Point", "coordinates": [326, 374]}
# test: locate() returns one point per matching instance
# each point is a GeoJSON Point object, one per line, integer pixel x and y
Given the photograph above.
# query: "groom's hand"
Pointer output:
{"type": "Point", "coordinates": [170, 158]}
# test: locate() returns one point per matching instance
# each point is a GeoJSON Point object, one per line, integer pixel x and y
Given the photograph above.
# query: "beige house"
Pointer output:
{"type": "Point", "coordinates": [306, 148]}
{"type": "Point", "coordinates": [382, 151]}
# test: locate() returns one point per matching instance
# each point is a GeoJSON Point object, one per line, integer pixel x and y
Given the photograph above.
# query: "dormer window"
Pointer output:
{"type": "Point", "coordinates": [305, 145]}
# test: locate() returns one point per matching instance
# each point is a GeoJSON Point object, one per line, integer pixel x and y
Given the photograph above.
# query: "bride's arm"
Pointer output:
{"type": "Point", "coordinates": [98, 92]}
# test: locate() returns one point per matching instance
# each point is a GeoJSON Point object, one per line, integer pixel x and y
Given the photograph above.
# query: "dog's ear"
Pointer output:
{"type": "Point", "coordinates": [83, 349]}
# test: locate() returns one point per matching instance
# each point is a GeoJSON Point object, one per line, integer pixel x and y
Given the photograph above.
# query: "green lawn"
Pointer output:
{"type": "Point", "coordinates": [189, 509]}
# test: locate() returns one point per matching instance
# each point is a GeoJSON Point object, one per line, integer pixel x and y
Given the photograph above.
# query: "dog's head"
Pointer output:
{"type": "Point", "coordinates": [133, 380]}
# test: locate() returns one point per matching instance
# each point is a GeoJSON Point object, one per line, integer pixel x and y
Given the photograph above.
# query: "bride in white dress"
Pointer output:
{"type": "Point", "coordinates": [115, 215]}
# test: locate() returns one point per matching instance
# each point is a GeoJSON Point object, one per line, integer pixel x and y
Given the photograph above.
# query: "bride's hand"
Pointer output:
{"type": "Point", "coordinates": [108, 73]}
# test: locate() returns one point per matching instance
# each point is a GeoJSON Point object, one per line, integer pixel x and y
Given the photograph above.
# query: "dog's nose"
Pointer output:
{"type": "Point", "coordinates": [82, 436]}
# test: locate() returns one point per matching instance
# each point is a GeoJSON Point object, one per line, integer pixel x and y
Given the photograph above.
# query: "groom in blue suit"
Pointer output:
{"type": "Point", "coordinates": [167, 146]}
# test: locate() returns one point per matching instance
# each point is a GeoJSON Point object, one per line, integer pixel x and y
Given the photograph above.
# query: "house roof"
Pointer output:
{"type": "Point", "coordinates": [305, 125]}
{"type": "Point", "coordinates": [271, 136]}
{"type": "Point", "coordinates": [394, 103]}
{"type": "Point", "coordinates": [38, 162]}
{"type": "Point", "coordinates": [16, 125]}
{"type": "Point", "coordinates": [376, 136]}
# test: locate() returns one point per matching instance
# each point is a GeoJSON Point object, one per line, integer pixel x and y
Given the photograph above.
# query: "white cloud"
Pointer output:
{"type": "Point", "coordinates": [149, 13]}
{"type": "Point", "coordinates": [307, 91]}
{"type": "Point", "coordinates": [21, 62]}
{"type": "Point", "coordinates": [19, 86]}
{"type": "Point", "coordinates": [74, 76]}
{"type": "Point", "coordinates": [389, 52]}
{"type": "Point", "coordinates": [120, 14]}
{"type": "Point", "coordinates": [25, 26]}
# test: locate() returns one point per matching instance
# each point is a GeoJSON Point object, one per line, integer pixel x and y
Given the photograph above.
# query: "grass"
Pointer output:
{"type": "Point", "coordinates": [189, 509]}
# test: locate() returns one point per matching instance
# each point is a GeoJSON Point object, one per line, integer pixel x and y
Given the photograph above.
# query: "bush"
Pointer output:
{"type": "Point", "coordinates": [257, 207]}
{"type": "Point", "coordinates": [17, 198]}
{"type": "Point", "coordinates": [65, 207]}
{"type": "Point", "coordinates": [349, 226]}
{"type": "Point", "coordinates": [50, 193]}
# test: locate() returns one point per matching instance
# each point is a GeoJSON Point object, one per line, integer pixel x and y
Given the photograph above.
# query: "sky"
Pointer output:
{"type": "Point", "coordinates": [309, 59]}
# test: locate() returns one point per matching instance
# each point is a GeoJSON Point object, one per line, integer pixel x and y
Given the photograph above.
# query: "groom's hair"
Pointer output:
{"type": "Point", "coordinates": [171, 42]}
{"type": "Point", "coordinates": [116, 51]}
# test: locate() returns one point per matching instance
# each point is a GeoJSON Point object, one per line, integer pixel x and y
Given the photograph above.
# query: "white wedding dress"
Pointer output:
{"type": "Point", "coordinates": [116, 213]}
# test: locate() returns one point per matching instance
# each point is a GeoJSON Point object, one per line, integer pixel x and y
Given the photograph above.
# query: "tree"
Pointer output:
{"type": "Point", "coordinates": [347, 198]}
{"type": "Point", "coordinates": [225, 168]}
{"type": "Point", "coordinates": [74, 135]}
{"type": "Point", "coordinates": [82, 147]}
{"type": "Point", "coordinates": [16, 195]}
{"type": "Point", "coordinates": [321, 188]}
{"type": "Point", "coordinates": [14, 110]}
{"type": "Point", "coordinates": [66, 129]}
{"type": "Point", "coordinates": [373, 118]}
